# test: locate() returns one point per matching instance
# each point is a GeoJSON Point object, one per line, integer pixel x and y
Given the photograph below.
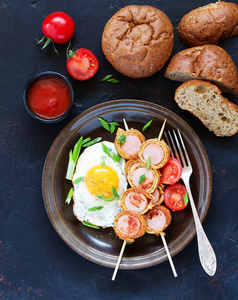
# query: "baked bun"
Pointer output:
{"type": "Point", "coordinates": [209, 62]}
{"type": "Point", "coordinates": [138, 40]}
{"type": "Point", "coordinates": [209, 24]}
{"type": "Point", "coordinates": [204, 100]}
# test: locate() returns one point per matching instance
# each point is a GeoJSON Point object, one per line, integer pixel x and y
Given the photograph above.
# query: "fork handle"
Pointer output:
{"type": "Point", "coordinates": [206, 253]}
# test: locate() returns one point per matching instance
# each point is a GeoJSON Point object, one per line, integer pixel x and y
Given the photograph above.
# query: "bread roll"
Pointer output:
{"type": "Point", "coordinates": [205, 101]}
{"type": "Point", "coordinates": [208, 24]}
{"type": "Point", "coordinates": [138, 40]}
{"type": "Point", "coordinates": [209, 62]}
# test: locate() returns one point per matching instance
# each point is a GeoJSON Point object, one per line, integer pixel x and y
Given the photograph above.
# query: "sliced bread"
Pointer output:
{"type": "Point", "coordinates": [205, 101]}
{"type": "Point", "coordinates": [209, 62]}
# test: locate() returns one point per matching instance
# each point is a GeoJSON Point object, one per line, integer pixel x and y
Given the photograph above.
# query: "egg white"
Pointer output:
{"type": "Point", "coordinates": [83, 199]}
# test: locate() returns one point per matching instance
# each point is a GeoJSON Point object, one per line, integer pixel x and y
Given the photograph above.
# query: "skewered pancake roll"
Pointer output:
{"type": "Point", "coordinates": [157, 151]}
{"type": "Point", "coordinates": [128, 142]}
{"type": "Point", "coordinates": [129, 226]}
{"type": "Point", "coordinates": [157, 219]}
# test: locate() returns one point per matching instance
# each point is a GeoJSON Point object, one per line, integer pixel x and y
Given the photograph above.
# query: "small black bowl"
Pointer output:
{"type": "Point", "coordinates": [34, 79]}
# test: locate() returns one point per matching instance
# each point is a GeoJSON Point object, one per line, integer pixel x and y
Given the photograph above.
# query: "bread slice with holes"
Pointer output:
{"type": "Point", "coordinates": [205, 101]}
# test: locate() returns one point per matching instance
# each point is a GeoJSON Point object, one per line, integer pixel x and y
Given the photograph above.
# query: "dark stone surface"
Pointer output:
{"type": "Point", "coordinates": [34, 262]}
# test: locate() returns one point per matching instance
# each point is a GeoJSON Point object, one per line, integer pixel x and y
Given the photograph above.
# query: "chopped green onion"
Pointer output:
{"type": "Point", "coordinates": [185, 199]}
{"type": "Point", "coordinates": [115, 157]}
{"type": "Point", "coordinates": [103, 162]}
{"type": "Point", "coordinates": [108, 126]}
{"type": "Point", "coordinates": [147, 125]}
{"type": "Point", "coordinates": [148, 163]}
{"type": "Point", "coordinates": [73, 157]}
{"type": "Point", "coordinates": [95, 208]}
{"type": "Point", "coordinates": [115, 196]}
{"type": "Point", "coordinates": [122, 139]}
{"type": "Point", "coordinates": [142, 179]}
{"type": "Point", "coordinates": [79, 179]}
{"type": "Point", "coordinates": [90, 143]}
{"type": "Point", "coordinates": [113, 80]}
{"type": "Point", "coordinates": [86, 141]}
{"type": "Point", "coordinates": [69, 196]}
{"type": "Point", "coordinates": [114, 192]}
{"type": "Point", "coordinates": [107, 77]}
{"type": "Point", "coordinates": [105, 124]}
{"type": "Point", "coordinates": [90, 225]}
{"type": "Point", "coordinates": [113, 126]}
{"type": "Point", "coordinates": [110, 79]}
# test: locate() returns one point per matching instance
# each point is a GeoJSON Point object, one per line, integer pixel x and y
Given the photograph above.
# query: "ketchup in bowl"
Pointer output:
{"type": "Point", "coordinates": [48, 97]}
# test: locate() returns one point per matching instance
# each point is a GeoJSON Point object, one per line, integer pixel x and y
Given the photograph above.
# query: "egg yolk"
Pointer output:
{"type": "Point", "coordinates": [100, 180]}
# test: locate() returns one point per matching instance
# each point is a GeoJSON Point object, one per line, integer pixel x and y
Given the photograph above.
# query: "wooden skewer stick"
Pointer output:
{"type": "Point", "coordinates": [162, 234]}
{"type": "Point", "coordinates": [162, 130]}
{"type": "Point", "coordinates": [119, 260]}
{"type": "Point", "coordinates": [124, 243]}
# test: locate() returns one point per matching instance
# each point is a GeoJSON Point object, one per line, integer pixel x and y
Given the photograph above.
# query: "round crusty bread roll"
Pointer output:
{"type": "Point", "coordinates": [205, 101]}
{"type": "Point", "coordinates": [209, 62]}
{"type": "Point", "coordinates": [209, 24]}
{"type": "Point", "coordinates": [138, 40]}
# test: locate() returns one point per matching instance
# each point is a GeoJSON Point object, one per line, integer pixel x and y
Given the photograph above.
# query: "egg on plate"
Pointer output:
{"type": "Point", "coordinates": [97, 176]}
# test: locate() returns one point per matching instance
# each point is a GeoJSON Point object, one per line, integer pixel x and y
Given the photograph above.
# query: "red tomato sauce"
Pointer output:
{"type": "Point", "coordinates": [49, 97]}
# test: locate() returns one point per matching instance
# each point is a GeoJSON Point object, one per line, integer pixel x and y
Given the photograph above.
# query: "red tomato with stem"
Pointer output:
{"type": "Point", "coordinates": [175, 197]}
{"type": "Point", "coordinates": [82, 64]}
{"type": "Point", "coordinates": [58, 28]}
{"type": "Point", "coordinates": [171, 171]}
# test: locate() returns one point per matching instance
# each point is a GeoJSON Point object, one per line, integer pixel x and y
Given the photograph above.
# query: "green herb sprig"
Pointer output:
{"type": "Point", "coordinates": [74, 154]}
{"type": "Point", "coordinates": [141, 179]}
{"type": "Point", "coordinates": [122, 139]}
{"type": "Point", "coordinates": [109, 126]}
{"type": "Point", "coordinates": [185, 199]}
{"type": "Point", "coordinates": [85, 223]}
{"type": "Point", "coordinates": [115, 196]}
{"type": "Point", "coordinates": [148, 163]}
{"type": "Point", "coordinates": [115, 157]}
{"type": "Point", "coordinates": [147, 125]}
{"type": "Point", "coordinates": [69, 196]}
{"type": "Point", "coordinates": [109, 78]}
{"type": "Point", "coordinates": [95, 208]}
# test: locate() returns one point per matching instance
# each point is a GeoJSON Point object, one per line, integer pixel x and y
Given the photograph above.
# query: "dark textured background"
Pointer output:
{"type": "Point", "coordinates": [34, 261]}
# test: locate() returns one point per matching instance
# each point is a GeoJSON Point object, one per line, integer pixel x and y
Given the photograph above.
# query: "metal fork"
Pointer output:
{"type": "Point", "coordinates": [205, 250]}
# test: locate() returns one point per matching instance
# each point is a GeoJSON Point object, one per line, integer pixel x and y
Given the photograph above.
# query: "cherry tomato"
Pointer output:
{"type": "Point", "coordinates": [175, 197]}
{"type": "Point", "coordinates": [171, 171]}
{"type": "Point", "coordinates": [82, 64]}
{"type": "Point", "coordinates": [59, 27]}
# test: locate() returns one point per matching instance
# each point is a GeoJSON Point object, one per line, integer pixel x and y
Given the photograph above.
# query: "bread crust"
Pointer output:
{"type": "Point", "coordinates": [209, 24]}
{"type": "Point", "coordinates": [208, 62]}
{"type": "Point", "coordinates": [216, 112]}
{"type": "Point", "coordinates": [138, 40]}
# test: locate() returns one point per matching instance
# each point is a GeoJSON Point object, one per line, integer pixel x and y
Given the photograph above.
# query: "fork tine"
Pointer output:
{"type": "Point", "coordinates": [184, 149]}
{"type": "Point", "coordinates": [175, 148]}
{"type": "Point", "coordinates": [168, 143]}
{"type": "Point", "coordinates": [179, 149]}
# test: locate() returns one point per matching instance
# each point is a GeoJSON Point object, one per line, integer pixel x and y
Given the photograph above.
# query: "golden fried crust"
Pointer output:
{"type": "Point", "coordinates": [209, 24]}
{"type": "Point", "coordinates": [147, 186]}
{"type": "Point", "coordinates": [139, 191]}
{"type": "Point", "coordinates": [119, 146]}
{"type": "Point", "coordinates": [162, 144]}
{"type": "Point", "coordinates": [154, 211]}
{"type": "Point", "coordinates": [131, 229]}
{"type": "Point", "coordinates": [129, 164]}
{"type": "Point", "coordinates": [161, 196]}
{"type": "Point", "coordinates": [138, 40]}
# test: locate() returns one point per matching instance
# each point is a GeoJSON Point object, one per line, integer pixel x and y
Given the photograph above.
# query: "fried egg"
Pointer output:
{"type": "Point", "coordinates": [100, 174]}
